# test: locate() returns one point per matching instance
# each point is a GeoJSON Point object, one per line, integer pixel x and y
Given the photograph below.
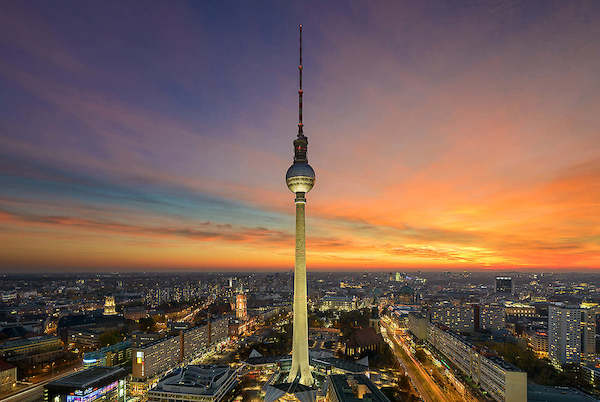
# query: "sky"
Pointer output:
{"type": "Point", "coordinates": [156, 135]}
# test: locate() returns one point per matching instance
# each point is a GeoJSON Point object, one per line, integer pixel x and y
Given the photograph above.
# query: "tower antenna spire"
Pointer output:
{"type": "Point", "coordinates": [300, 92]}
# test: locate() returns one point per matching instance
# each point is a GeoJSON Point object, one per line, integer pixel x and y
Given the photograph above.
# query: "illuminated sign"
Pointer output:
{"type": "Point", "coordinates": [90, 394]}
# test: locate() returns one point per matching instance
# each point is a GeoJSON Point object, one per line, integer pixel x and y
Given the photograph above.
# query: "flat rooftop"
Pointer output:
{"type": "Point", "coordinates": [89, 377]}
{"type": "Point", "coordinates": [355, 388]}
{"type": "Point", "coordinates": [28, 341]}
{"type": "Point", "coordinates": [197, 379]}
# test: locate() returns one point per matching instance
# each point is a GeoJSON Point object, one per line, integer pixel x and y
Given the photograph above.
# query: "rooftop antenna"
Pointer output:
{"type": "Point", "coordinates": [300, 92]}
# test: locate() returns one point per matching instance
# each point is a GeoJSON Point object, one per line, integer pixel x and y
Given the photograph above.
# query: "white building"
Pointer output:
{"type": "Point", "coordinates": [339, 303]}
{"type": "Point", "coordinates": [501, 380]}
{"type": "Point", "coordinates": [564, 334]}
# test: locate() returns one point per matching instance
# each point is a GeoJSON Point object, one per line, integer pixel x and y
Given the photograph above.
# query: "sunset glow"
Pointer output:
{"type": "Point", "coordinates": [443, 137]}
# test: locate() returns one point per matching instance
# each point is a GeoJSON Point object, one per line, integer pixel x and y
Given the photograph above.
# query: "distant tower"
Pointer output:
{"type": "Point", "coordinates": [109, 306]}
{"type": "Point", "coordinates": [300, 178]}
{"type": "Point", "coordinates": [240, 307]}
{"type": "Point", "coordinates": [504, 285]}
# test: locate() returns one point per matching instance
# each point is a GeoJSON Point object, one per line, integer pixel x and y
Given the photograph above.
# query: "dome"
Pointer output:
{"type": "Point", "coordinates": [300, 178]}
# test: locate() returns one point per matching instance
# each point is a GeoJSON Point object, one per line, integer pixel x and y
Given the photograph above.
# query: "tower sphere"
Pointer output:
{"type": "Point", "coordinates": [300, 177]}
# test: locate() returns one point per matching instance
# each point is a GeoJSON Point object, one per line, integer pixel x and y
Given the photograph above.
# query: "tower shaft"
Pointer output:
{"type": "Point", "coordinates": [300, 359]}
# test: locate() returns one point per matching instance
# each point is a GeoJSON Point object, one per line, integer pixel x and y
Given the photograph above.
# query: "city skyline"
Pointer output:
{"type": "Point", "coordinates": [447, 137]}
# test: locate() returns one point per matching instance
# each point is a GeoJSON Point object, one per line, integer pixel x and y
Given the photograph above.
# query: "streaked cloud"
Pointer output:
{"type": "Point", "coordinates": [442, 135]}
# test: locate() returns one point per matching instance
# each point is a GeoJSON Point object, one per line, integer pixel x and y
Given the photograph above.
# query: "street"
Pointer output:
{"type": "Point", "coordinates": [35, 392]}
{"type": "Point", "coordinates": [427, 387]}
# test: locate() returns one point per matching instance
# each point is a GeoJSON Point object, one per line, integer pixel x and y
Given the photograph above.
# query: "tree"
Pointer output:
{"type": "Point", "coordinates": [403, 382]}
{"type": "Point", "coordinates": [421, 355]}
{"type": "Point", "coordinates": [147, 324]}
{"type": "Point", "coordinates": [314, 321]}
{"type": "Point", "coordinates": [110, 337]}
{"type": "Point", "coordinates": [538, 370]}
{"type": "Point", "coordinates": [353, 319]}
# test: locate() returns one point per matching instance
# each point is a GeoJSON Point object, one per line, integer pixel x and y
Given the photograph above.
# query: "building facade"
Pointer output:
{"type": "Point", "coordinates": [588, 331]}
{"type": "Point", "coordinates": [338, 303]}
{"type": "Point", "coordinates": [8, 376]}
{"type": "Point", "coordinates": [590, 374]}
{"type": "Point", "coordinates": [456, 316]}
{"type": "Point", "coordinates": [492, 317]}
{"type": "Point", "coordinates": [95, 383]}
{"type": "Point", "coordinates": [151, 360]}
{"type": "Point", "coordinates": [516, 311]}
{"type": "Point", "coordinates": [501, 380]}
{"type": "Point", "coordinates": [108, 356]}
{"type": "Point", "coordinates": [538, 342]}
{"type": "Point", "coordinates": [504, 285]}
{"type": "Point", "coordinates": [38, 349]}
{"type": "Point", "coordinates": [241, 310]}
{"type": "Point", "coordinates": [564, 334]}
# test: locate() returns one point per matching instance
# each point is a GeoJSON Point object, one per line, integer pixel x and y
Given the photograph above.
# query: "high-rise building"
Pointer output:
{"type": "Point", "coordinates": [538, 342]}
{"type": "Point", "coordinates": [564, 334]}
{"type": "Point", "coordinates": [504, 285]}
{"type": "Point", "coordinates": [456, 316]}
{"type": "Point", "coordinates": [589, 312]}
{"type": "Point", "coordinates": [492, 317]}
{"type": "Point", "coordinates": [151, 360]}
{"type": "Point", "coordinates": [501, 380]}
{"type": "Point", "coordinates": [300, 179]}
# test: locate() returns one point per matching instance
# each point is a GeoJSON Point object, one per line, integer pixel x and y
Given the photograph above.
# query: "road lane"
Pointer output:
{"type": "Point", "coordinates": [427, 388]}
{"type": "Point", "coordinates": [35, 392]}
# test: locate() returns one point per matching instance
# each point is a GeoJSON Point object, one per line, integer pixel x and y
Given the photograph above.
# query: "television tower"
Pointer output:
{"type": "Point", "coordinates": [300, 178]}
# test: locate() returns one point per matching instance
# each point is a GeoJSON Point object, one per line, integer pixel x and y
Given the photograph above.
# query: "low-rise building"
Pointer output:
{"type": "Point", "coordinates": [362, 341]}
{"type": "Point", "coordinates": [339, 303]}
{"type": "Point", "coordinates": [84, 339]}
{"type": "Point", "coordinates": [352, 388]}
{"type": "Point", "coordinates": [135, 313]}
{"type": "Point", "coordinates": [8, 376]}
{"type": "Point", "coordinates": [590, 373]}
{"type": "Point", "coordinates": [519, 310]}
{"type": "Point", "coordinates": [38, 349]}
{"type": "Point", "coordinates": [103, 383]}
{"type": "Point", "coordinates": [108, 356]}
{"type": "Point", "coordinates": [195, 383]}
